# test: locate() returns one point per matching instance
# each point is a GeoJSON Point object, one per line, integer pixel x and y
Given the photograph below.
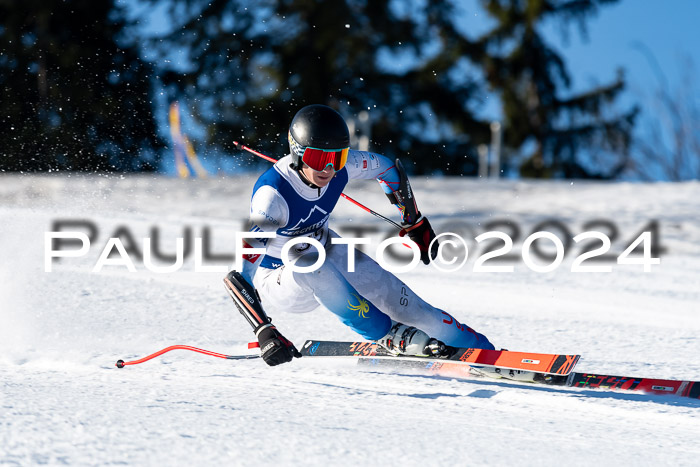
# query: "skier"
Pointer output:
{"type": "Point", "coordinates": [295, 198]}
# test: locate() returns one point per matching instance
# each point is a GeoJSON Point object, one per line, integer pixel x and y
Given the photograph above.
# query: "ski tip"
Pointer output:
{"type": "Point", "coordinates": [120, 364]}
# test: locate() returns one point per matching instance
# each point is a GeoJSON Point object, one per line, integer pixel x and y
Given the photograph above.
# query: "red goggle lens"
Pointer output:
{"type": "Point", "coordinates": [319, 159]}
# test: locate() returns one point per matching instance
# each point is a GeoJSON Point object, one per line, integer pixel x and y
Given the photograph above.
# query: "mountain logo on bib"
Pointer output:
{"type": "Point", "coordinates": [309, 223]}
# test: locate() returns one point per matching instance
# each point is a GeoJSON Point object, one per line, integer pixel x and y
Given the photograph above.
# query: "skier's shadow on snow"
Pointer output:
{"type": "Point", "coordinates": [580, 393]}
{"type": "Point", "coordinates": [417, 395]}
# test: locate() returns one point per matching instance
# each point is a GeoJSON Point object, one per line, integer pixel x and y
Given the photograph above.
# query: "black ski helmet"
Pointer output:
{"type": "Point", "coordinates": [317, 126]}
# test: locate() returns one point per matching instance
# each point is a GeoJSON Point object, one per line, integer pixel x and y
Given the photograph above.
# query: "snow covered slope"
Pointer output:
{"type": "Point", "coordinates": [63, 401]}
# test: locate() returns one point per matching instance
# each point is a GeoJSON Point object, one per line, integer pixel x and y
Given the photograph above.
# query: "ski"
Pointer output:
{"type": "Point", "coordinates": [550, 364]}
{"type": "Point", "coordinates": [655, 386]}
{"type": "Point", "coordinates": [628, 383]}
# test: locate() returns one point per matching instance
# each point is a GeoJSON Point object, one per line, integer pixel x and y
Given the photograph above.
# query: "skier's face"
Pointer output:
{"type": "Point", "coordinates": [319, 178]}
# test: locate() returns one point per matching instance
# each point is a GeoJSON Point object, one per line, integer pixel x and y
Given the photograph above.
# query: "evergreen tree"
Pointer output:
{"type": "Point", "coordinates": [532, 80]}
{"type": "Point", "coordinates": [72, 97]}
{"type": "Point", "coordinates": [250, 66]}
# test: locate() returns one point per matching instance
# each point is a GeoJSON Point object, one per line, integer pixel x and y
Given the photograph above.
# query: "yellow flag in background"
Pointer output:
{"type": "Point", "coordinates": [186, 162]}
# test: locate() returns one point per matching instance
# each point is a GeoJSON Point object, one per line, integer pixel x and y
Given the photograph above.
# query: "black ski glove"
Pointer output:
{"type": "Point", "coordinates": [422, 233]}
{"type": "Point", "coordinates": [275, 349]}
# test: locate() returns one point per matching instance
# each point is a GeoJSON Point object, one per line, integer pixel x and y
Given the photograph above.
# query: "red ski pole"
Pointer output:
{"type": "Point", "coordinates": [122, 363]}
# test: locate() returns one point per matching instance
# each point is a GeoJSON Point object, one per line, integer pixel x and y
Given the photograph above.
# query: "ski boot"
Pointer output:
{"type": "Point", "coordinates": [408, 340]}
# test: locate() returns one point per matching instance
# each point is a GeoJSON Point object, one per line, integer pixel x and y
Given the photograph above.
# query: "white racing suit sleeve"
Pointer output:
{"type": "Point", "coordinates": [268, 212]}
{"type": "Point", "coordinates": [366, 165]}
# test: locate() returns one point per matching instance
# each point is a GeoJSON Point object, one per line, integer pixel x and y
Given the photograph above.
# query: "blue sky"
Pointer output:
{"type": "Point", "coordinates": [667, 32]}
{"type": "Point", "coordinates": [667, 29]}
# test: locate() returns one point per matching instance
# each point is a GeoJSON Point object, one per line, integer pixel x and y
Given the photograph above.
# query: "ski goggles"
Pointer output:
{"type": "Point", "coordinates": [319, 159]}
